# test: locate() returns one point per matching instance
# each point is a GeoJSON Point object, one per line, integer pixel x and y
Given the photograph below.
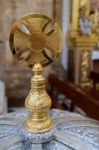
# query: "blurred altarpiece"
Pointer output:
{"type": "Point", "coordinates": [83, 39]}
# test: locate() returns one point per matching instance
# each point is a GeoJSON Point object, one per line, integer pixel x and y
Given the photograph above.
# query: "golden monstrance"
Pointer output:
{"type": "Point", "coordinates": [35, 40]}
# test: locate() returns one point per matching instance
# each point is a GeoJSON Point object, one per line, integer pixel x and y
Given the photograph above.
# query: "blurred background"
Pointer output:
{"type": "Point", "coordinates": [77, 65]}
{"type": "Point", "coordinates": [15, 76]}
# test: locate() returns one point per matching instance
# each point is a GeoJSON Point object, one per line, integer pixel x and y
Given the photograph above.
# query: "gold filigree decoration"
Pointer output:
{"type": "Point", "coordinates": [85, 65]}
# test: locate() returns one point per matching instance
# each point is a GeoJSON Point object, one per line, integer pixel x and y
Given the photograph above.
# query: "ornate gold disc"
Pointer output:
{"type": "Point", "coordinates": [35, 38]}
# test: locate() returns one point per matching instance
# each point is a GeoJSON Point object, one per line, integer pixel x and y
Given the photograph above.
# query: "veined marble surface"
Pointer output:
{"type": "Point", "coordinates": [71, 132]}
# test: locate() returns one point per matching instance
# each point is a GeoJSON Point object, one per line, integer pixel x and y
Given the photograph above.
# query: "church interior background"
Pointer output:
{"type": "Point", "coordinates": [10, 71]}
{"type": "Point", "coordinates": [65, 115]}
{"type": "Point", "coordinates": [78, 63]}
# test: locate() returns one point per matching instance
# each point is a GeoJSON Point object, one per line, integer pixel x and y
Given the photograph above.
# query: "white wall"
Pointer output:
{"type": "Point", "coordinates": [65, 26]}
{"type": "Point", "coordinates": [95, 55]}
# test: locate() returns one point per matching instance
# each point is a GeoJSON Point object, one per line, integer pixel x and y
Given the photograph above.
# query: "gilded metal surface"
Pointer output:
{"type": "Point", "coordinates": [39, 103]}
{"type": "Point", "coordinates": [72, 132]}
{"type": "Point", "coordinates": [35, 40]}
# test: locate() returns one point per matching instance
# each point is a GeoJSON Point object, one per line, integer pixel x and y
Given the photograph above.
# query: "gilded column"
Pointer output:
{"type": "Point", "coordinates": [83, 59]}
{"type": "Point", "coordinates": [75, 15]}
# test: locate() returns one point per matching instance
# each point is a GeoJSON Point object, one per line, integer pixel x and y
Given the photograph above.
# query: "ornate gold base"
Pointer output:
{"type": "Point", "coordinates": [39, 103]}
{"type": "Point", "coordinates": [38, 123]}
